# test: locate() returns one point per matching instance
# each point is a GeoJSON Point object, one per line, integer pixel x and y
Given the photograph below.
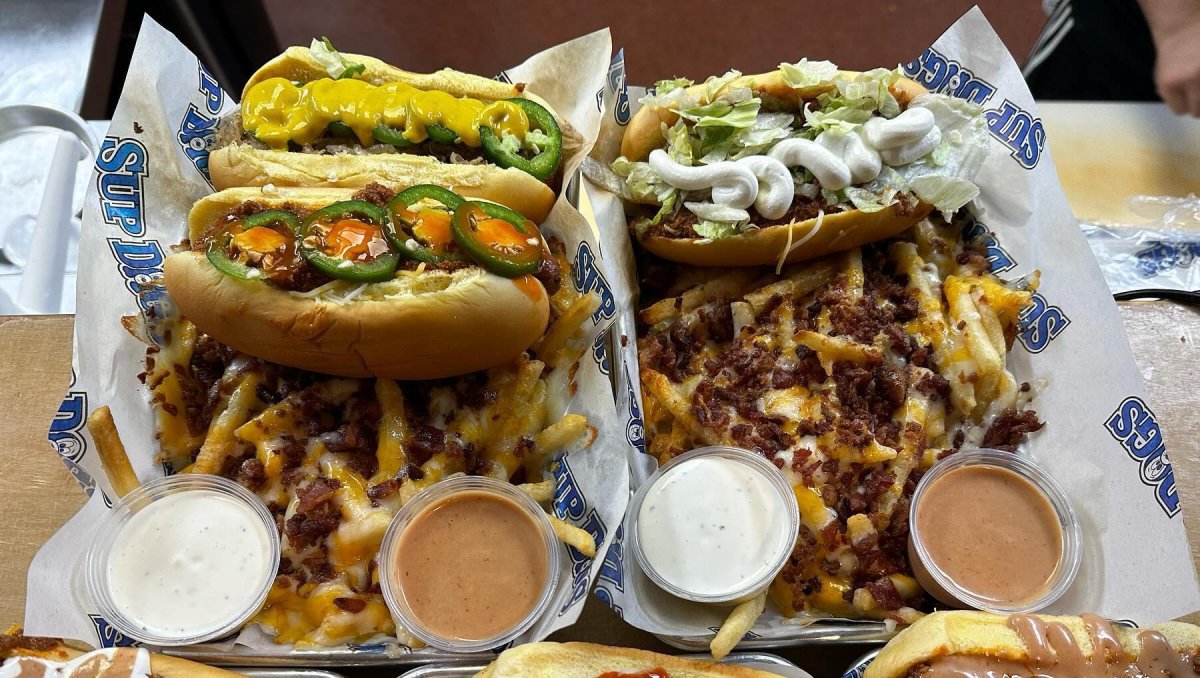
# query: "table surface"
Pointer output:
{"type": "Point", "coordinates": [37, 494]}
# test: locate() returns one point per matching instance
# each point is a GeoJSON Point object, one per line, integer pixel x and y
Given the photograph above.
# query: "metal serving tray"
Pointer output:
{"type": "Point", "coordinates": [818, 633]}
{"type": "Point", "coordinates": [288, 673]}
{"type": "Point", "coordinates": [758, 660]}
{"type": "Point", "coordinates": [373, 655]}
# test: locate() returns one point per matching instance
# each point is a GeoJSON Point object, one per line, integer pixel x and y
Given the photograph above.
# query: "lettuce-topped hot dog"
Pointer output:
{"type": "Point", "coordinates": [316, 117]}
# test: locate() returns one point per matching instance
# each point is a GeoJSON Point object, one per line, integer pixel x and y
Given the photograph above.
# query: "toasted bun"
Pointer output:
{"type": "Point", "coordinates": [981, 634]}
{"type": "Point", "coordinates": [423, 325]}
{"type": "Point", "coordinates": [764, 246]}
{"type": "Point", "coordinates": [238, 164]}
{"type": "Point", "coordinates": [244, 165]}
{"type": "Point", "coordinates": [585, 660]}
{"type": "Point", "coordinates": [643, 133]}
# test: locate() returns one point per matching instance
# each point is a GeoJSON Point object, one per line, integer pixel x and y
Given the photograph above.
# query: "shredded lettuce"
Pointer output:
{"type": "Point", "coordinates": [680, 144]}
{"type": "Point", "coordinates": [668, 86]}
{"type": "Point", "coordinates": [946, 194]}
{"type": "Point", "coordinates": [721, 113]}
{"type": "Point", "coordinates": [668, 207]}
{"type": "Point", "coordinates": [727, 143]}
{"type": "Point", "coordinates": [868, 201]}
{"type": "Point", "coordinates": [873, 86]}
{"type": "Point", "coordinates": [334, 63]}
{"type": "Point", "coordinates": [713, 230]}
{"type": "Point", "coordinates": [714, 85]}
{"type": "Point", "coordinates": [805, 73]}
{"type": "Point", "coordinates": [839, 112]}
{"type": "Point", "coordinates": [708, 211]}
{"type": "Point", "coordinates": [641, 183]}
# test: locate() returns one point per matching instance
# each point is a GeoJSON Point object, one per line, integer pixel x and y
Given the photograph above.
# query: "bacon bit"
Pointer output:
{"type": "Point", "coordinates": [351, 605]}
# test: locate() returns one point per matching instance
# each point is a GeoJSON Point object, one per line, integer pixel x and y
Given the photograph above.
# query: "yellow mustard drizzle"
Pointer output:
{"type": "Point", "coordinates": [277, 111]}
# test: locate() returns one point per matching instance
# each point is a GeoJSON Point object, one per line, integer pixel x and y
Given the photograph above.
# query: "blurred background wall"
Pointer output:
{"type": "Point", "coordinates": [662, 38]}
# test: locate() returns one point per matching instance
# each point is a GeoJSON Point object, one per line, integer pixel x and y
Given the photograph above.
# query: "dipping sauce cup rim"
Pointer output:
{"type": "Point", "coordinates": [99, 552]}
{"type": "Point", "coordinates": [393, 592]}
{"type": "Point", "coordinates": [749, 459]}
{"type": "Point", "coordinates": [1072, 540]}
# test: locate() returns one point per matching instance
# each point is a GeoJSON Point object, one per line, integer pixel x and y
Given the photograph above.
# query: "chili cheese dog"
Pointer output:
{"type": "Point", "coordinates": [316, 117]}
{"type": "Point", "coordinates": [986, 644]}
{"type": "Point", "coordinates": [586, 660]}
{"type": "Point", "coordinates": [26, 656]}
{"type": "Point", "coordinates": [416, 285]}
{"type": "Point", "coordinates": [793, 164]}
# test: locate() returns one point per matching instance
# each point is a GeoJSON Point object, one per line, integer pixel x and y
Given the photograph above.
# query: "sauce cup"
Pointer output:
{"type": "Point", "coordinates": [437, 497]}
{"type": "Point", "coordinates": [777, 496]}
{"type": "Point", "coordinates": [941, 584]}
{"type": "Point", "coordinates": [246, 513]}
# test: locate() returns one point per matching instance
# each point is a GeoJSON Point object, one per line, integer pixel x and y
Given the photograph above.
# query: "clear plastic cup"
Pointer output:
{"type": "Point", "coordinates": [750, 460]}
{"type": "Point", "coordinates": [942, 586]}
{"type": "Point", "coordinates": [429, 498]}
{"type": "Point", "coordinates": [143, 498]}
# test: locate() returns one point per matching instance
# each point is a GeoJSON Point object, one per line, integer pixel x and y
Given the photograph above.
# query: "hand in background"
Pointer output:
{"type": "Point", "coordinates": [1177, 67]}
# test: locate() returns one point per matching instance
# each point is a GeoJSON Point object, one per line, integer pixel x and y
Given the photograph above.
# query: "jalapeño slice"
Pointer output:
{"type": "Point", "coordinates": [337, 128]}
{"type": "Point", "coordinates": [541, 166]}
{"type": "Point", "coordinates": [423, 234]}
{"type": "Point", "coordinates": [497, 238]}
{"type": "Point", "coordinates": [386, 134]}
{"type": "Point", "coordinates": [253, 247]}
{"type": "Point", "coordinates": [346, 240]}
{"type": "Point", "coordinates": [441, 134]}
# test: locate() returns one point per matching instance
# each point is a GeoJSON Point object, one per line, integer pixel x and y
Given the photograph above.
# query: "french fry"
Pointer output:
{"type": "Point", "coordinates": [540, 492]}
{"type": "Point", "coordinates": [739, 621]}
{"type": "Point", "coordinates": [577, 537]}
{"type": "Point", "coordinates": [111, 450]}
{"type": "Point", "coordinates": [855, 277]}
{"type": "Point", "coordinates": [393, 430]}
{"type": "Point", "coordinates": [832, 350]}
{"type": "Point", "coordinates": [566, 326]}
{"type": "Point", "coordinates": [559, 435]}
{"type": "Point", "coordinates": [221, 441]}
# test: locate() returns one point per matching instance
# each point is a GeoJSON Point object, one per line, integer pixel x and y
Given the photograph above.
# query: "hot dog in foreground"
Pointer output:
{"type": "Point", "coordinates": [793, 164]}
{"type": "Point", "coordinates": [968, 644]}
{"type": "Point", "coordinates": [585, 660]}
{"type": "Point", "coordinates": [22, 656]}
{"type": "Point", "coordinates": [420, 284]}
{"type": "Point", "coordinates": [316, 117]}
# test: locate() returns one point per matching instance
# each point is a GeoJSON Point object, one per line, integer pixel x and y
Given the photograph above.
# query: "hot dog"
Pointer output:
{"type": "Point", "coordinates": [316, 117]}
{"type": "Point", "coordinates": [422, 284]}
{"type": "Point", "coordinates": [792, 164]}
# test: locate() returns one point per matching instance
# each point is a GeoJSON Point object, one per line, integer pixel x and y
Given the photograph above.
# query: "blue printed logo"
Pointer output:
{"type": "Point", "coordinates": [571, 506]}
{"type": "Point", "coordinates": [121, 168]}
{"type": "Point", "coordinates": [1163, 257]}
{"type": "Point", "coordinates": [108, 635]}
{"type": "Point", "coordinates": [938, 74]}
{"type": "Point", "coordinates": [587, 278]}
{"type": "Point", "coordinates": [1135, 427]}
{"type": "Point", "coordinates": [503, 77]}
{"type": "Point", "coordinates": [198, 129]}
{"type": "Point", "coordinates": [140, 264]}
{"type": "Point", "coordinates": [600, 354]}
{"type": "Point", "coordinates": [1039, 323]}
{"type": "Point", "coordinates": [999, 260]}
{"type": "Point", "coordinates": [66, 435]}
{"type": "Point", "coordinates": [617, 84]}
{"type": "Point", "coordinates": [635, 426]}
{"type": "Point", "coordinates": [1022, 133]}
{"type": "Point", "coordinates": [860, 667]}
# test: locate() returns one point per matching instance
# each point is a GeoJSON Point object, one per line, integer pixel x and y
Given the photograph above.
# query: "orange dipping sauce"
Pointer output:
{"type": "Point", "coordinates": [471, 566]}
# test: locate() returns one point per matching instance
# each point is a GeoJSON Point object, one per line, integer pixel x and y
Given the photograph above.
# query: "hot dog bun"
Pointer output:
{"type": "Point", "coordinates": [241, 164]}
{"type": "Point", "coordinates": [983, 634]}
{"type": "Point", "coordinates": [38, 656]}
{"type": "Point", "coordinates": [586, 660]}
{"type": "Point", "coordinates": [419, 325]}
{"type": "Point", "coordinates": [763, 246]}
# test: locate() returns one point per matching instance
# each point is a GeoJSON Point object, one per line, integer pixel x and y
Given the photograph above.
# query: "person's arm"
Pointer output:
{"type": "Point", "coordinates": [1175, 26]}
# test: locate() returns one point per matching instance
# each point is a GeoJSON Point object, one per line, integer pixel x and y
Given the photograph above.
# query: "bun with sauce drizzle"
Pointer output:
{"type": "Point", "coordinates": [772, 241]}
{"type": "Point", "coordinates": [239, 159]}
{"type": "Point", "coordinates": [1036, 643]}
{"type": "Point", "coordinates": [47, 656]}
{"type": "Point", "coordinates": [421, 323]}
{"type": "Point", "coordinates": [587, 660]}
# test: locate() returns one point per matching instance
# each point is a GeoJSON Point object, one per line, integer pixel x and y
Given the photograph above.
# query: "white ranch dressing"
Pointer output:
{"type": "Point", "coordinates": [124, 662]}
{"type": "Point", "coordinates": [189, 563]}
{"type": "Point", "coordinates": [713, 526]}
{"type": "Point", "coordinates": [837, 158]}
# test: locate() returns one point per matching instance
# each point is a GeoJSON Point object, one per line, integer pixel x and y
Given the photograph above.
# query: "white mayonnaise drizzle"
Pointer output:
{"type": "Point", "coordinates": [838, 158]}
{"type": "Point", "coordinates": [86, 664]}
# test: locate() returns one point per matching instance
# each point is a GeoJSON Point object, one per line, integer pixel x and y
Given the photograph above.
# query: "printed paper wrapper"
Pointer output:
{"type": "Point", "coordinates": [1101, 440]}
{"type": "Point", "coordinates": [152, 167]}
